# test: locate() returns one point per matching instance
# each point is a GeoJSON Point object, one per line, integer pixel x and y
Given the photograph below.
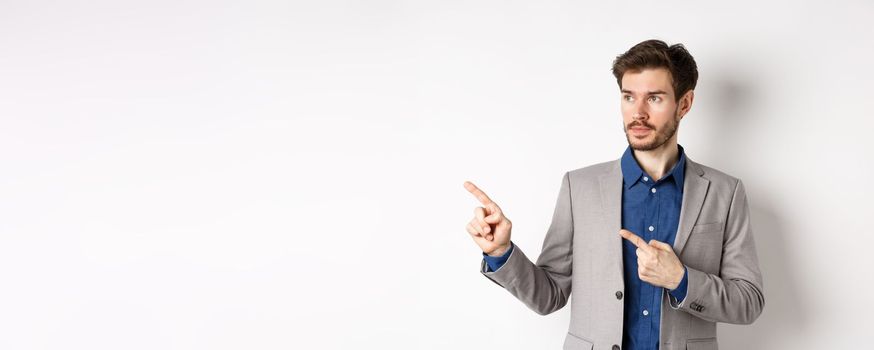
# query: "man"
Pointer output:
{"type": "Point", "coordinates": [653, 247]}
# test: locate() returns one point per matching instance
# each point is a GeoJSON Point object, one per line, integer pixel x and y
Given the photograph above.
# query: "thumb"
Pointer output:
{"type": "Point", "coordinates": [492, 219]}
{"type": "Point", "coordinates": [496, 216]}
{"type": "Point", "coordinates": [660, 245]}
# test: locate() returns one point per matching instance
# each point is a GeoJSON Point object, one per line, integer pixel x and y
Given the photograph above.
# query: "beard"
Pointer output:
{"type": "Point", "coordinates": [658, 136]}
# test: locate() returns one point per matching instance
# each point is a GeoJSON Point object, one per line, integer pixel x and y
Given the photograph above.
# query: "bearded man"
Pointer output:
{"type": "Point", "coordinates": [654, 248]}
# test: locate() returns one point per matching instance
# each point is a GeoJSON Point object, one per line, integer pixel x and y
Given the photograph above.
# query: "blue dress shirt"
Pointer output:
{"type": "Point", "coordinates": [650, 209]}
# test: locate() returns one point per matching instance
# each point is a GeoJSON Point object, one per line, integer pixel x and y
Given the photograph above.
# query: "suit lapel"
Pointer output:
{"type": "Point", "coordinates": [611, 204]}
{"type": "Point", "coordinates": [611, 197]}
{"type": "Point", "coordinates": [694, 190]}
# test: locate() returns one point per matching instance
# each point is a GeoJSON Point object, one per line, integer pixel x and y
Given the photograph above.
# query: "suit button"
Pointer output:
{"type": "Point", "coordinates": [615, 347]}
{"type": "Point", "coordinates": [618, 295]}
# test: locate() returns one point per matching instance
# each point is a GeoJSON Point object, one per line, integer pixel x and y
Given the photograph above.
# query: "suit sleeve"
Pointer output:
{"type": "Point", "coordinates": [545, 286]}
{"type": "Point", "coordinates": [735, 295]}
{"type": "Point", "coordinates": [495, 263]}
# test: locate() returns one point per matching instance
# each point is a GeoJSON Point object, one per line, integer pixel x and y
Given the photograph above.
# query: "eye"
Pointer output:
{"type": "Point", "coordinates": [626, 97]}
{"type": "Point", "coordinates": [655, 98]}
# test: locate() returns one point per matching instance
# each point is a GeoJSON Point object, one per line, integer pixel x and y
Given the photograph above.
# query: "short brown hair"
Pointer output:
{"type": "Point", "coordinates": [656, 54]}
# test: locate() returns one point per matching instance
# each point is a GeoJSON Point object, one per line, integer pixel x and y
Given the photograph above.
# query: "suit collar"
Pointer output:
{"type": "Point", "coordinates": [695, 187]}
{"type": "Point", "coordinates": [631, 170]}
{"type": "Point", "coordinates": [694, 191]}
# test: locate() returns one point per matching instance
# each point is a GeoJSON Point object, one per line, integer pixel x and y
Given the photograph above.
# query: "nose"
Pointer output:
{"type": "Point", "coordinates": [640, 111]}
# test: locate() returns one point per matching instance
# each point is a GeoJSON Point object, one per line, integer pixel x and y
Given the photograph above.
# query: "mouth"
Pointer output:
{"type": "Point", "coordinates": [640, 131]}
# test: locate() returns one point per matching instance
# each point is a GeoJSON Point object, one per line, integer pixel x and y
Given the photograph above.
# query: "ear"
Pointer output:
{"type": "Point", "coordinates": [686, 103]}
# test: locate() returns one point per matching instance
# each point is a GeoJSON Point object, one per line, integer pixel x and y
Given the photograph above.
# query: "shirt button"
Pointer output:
{"type": "Point", "coordinates": [645, 178]}
{"type": "Point", "coordinates": [615, 347]}
{"type": "Point", "coordinates": [645, 312]}
{"type": "Point", "coordinates": [651, 228]}
{"type": "Point", "coordinates": [618, 295]}
{"type": "Point", "coordinates": [653, 190]}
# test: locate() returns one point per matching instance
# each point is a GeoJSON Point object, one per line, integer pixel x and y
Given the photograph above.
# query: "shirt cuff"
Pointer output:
{"type": "Point", "coordinates": [679, 293]}
{"type": "Point", "coordinates": [495, 262]}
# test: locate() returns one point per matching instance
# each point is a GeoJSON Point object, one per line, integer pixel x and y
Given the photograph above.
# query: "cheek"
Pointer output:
{"type": "Point", "coordinates": [662, 109]}
{"type": "Point", "coordinates": [627, 113]}
{"type": "Point", "coordinates": [663, 114]}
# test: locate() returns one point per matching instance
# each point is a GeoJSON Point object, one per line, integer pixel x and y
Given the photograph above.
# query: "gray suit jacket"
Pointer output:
{"type": "Point", "coordinates": [582, 257]}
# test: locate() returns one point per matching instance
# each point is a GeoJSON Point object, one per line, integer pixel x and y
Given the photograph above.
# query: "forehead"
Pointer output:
{"type": "Point", "coordinates": [648, 79]}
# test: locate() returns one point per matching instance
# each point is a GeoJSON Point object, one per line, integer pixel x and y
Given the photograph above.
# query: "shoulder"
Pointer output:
{"type": "Point", "coordinates": [592, 173]}
{"type": "Point", "coordinates": [594, 170]}
{"type": "Point", "coordinates": [722, 184]}
{"type": "Point", "coordinates": [715, 176]}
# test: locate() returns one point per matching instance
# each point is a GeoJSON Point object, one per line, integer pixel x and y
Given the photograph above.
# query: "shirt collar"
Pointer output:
{"type": "Point", "coordinates": [631, 171]}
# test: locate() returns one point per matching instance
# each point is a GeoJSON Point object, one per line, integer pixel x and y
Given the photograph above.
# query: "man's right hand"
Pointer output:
{"type": "Point", "coordinates": [489, 228]}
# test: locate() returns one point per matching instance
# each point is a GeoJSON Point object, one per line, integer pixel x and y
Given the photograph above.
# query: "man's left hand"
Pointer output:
{"type": "Point", "coordinates": [657, 264]}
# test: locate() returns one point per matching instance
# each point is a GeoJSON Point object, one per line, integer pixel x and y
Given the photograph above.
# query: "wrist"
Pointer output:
{"type": "Point", "coordinates": [679, 280]}
{"type": "Point", "coordinates": [500, 251]}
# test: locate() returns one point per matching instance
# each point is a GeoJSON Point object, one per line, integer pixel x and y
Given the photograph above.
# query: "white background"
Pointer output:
{"type": "Point", "coordinates": [288, 175]}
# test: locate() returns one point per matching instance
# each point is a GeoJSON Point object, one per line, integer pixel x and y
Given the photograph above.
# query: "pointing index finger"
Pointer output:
{"type": "Point", "coordinates": [635, 239]}
{"type": "Point", "coordinates": [478, 193]}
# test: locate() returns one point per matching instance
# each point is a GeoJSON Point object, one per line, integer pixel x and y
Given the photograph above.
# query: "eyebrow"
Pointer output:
{"type": "Point", "coordinates": [655, 92]}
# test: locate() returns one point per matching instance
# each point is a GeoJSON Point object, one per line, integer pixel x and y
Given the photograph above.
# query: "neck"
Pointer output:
{"type": "Point", "coordinates": [657, 162]}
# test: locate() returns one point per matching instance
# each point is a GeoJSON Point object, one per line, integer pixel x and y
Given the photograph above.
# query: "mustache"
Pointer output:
{"type": "Point", "coordinates": [640, 124]}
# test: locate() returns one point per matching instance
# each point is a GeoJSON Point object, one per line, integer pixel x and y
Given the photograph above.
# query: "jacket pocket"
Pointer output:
{"type": "Point", "coordinates": [704, 228]}
{"type": "Point", "coordinates": [572, 342]}
{"type": "Point", "coordinates": [702, 344]}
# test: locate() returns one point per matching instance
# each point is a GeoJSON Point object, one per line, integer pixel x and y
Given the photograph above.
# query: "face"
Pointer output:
{"type": "Point", "coordinates": [650, 113]}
